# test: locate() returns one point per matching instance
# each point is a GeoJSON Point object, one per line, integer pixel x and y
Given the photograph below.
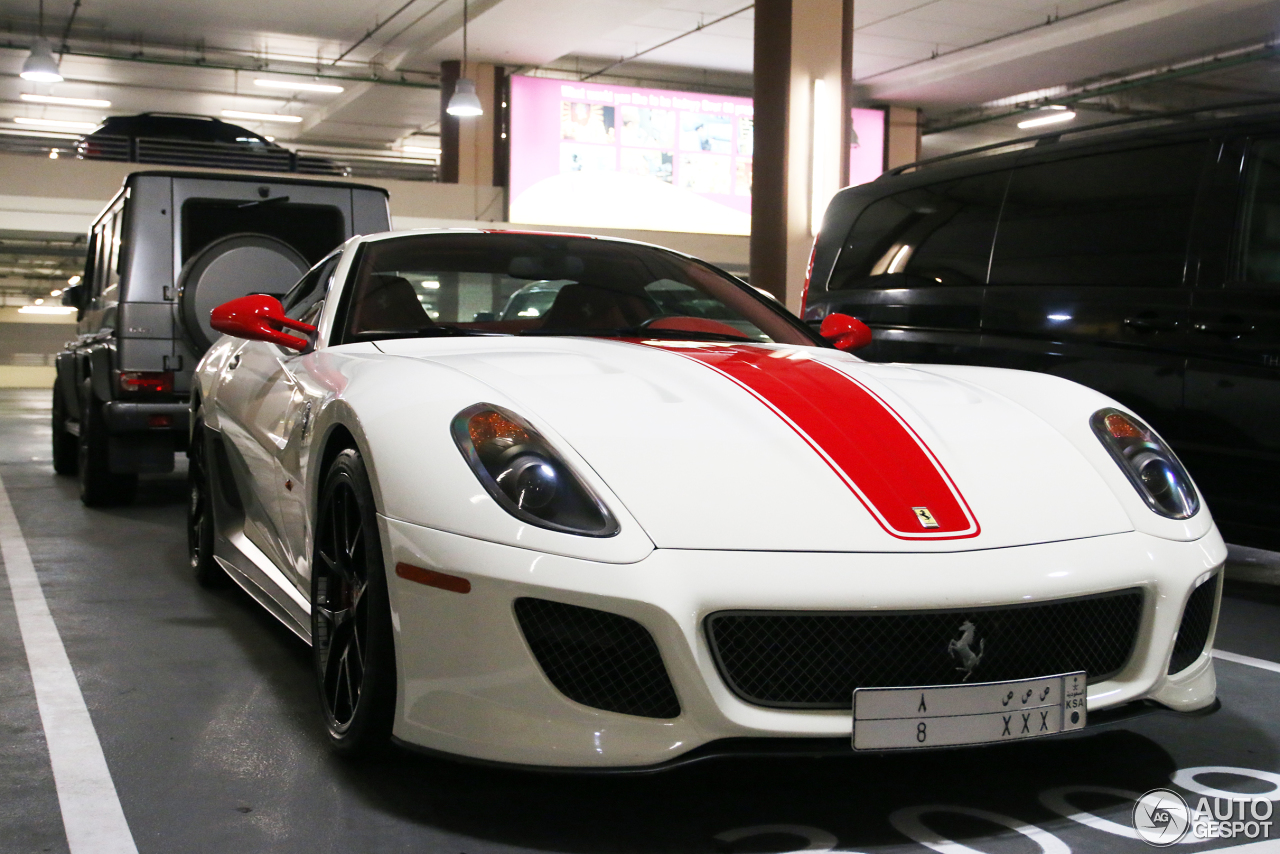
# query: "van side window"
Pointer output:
{"type": "Point", "coordinates": [1260, 235]}
{"type": "Point", "coordinates": [929, 236]}
{"type": "Point", "coordinates": [1121, 218]}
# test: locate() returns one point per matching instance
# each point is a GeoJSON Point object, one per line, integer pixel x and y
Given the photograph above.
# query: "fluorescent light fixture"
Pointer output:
{"type": "Point", "coordinates": [823, 171]}
{"type": "Point", "coordinates": [465, 102]}
{"type": "Point", "coordinates": [1059, 318]}
{"type": "Point", "coordinates": [64, 102]}
{"type": "Point", "coordinates": [56, 292]}
{"type": "Point", "coordinates": [73, 281]}
{"type": "Point", "coordinates": [40, 66]}
{"type": "Point", "coordinates": [297, 86]}
{"type": "Point", "coordinates": [56, 123]}
{"type": "Point", "coordinates": [261, 117]}
{"type": "Point", "coordinates": [46, 309]}
{"type": "Point", "coordinates": [1056, 115]}
{"type": "Point", "coordinates": [418, 149]}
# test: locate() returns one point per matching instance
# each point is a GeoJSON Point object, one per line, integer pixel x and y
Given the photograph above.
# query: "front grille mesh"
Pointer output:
{"type": "Point", "coordinates": [815, 660]}
{"type": "Point", "coordinates": [599, 659]}
{"type": "Point", "coordinates": [1193, 631]}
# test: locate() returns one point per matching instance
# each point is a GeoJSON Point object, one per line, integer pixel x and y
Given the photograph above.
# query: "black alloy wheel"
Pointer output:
{"type": "Point", "coordinates": [99, 486]}
{"type": "Point", "coordinates": [200, 514]}
{"type": "Point", "coordinates": [65, 451]}
{"type": "Point", "coordinates": [352, 645]}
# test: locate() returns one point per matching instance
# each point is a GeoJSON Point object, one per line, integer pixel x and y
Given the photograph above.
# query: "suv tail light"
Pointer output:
{"type": "Point", "coordinates": [146, 382]}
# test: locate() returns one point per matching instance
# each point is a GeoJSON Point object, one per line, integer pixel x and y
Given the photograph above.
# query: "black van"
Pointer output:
{"type": "Point", "coordinates": [1144, 262]}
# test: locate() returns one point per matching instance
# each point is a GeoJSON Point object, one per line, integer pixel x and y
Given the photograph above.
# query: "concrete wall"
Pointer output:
{"type": "Point", "coordinates": [64, 195]}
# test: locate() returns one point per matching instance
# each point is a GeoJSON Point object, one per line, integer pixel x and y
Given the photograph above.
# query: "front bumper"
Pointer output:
{"type": "Point", "coordinates": [469, 684]}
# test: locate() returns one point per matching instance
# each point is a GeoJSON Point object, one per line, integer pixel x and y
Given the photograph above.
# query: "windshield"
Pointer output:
{"type": "Point", "coordinates": [428, 285]}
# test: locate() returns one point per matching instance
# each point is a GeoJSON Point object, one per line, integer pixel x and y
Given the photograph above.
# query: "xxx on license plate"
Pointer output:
{"type": "Point", "coordinates": [941, 716]}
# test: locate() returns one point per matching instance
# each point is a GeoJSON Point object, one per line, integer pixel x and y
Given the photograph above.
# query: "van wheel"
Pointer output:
{"type": "Point", "coordinates": [65, 452]}
{"type": "Point", "coordinates": [99, 486]}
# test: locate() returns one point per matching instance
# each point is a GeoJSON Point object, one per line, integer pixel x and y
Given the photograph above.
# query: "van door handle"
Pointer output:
{"type": "Point", "coordinates": [1228, 328]}
{"type": "Point", "coordinates": [1152, 324]}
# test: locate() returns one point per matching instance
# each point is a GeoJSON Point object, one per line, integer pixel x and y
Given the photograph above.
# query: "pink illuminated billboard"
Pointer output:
{"type": "Point", "coordinates": [589, 154]}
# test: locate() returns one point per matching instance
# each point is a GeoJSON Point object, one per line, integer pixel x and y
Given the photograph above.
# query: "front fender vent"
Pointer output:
{"type": "Point", "coordinates": [598, 659]}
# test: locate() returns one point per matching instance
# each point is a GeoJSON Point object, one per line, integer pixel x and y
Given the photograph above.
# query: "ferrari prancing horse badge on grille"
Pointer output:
{"type": "Point", "coordinates": [925, 517]}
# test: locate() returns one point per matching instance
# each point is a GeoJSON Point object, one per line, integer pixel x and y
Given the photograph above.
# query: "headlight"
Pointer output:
{"type": "Point", "coordinates": [1149, 464]}
{"type": "Point", "coordinates": [524, 475]}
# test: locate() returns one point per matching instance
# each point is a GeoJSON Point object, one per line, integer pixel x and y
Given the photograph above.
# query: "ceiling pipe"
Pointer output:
{"type": "Point", "coordinates": [257, 67]}
{"type": "Point", "coordinates": [1192, 68]}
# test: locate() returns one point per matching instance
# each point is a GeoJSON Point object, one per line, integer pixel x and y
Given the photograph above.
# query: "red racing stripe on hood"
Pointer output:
{"type": "Point", "coordinates": [864, 441]}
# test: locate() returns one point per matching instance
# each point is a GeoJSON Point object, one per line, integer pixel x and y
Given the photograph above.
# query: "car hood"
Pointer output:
{"type": "Point", "coordinates": [781, 448]}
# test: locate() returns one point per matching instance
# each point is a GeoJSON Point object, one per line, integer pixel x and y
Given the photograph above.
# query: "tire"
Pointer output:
{"type": "Point", "coordinates": [200, 524]}
{"type": "Point", "coordinates": [65, 453]}
{"type": "Point", "coordinates": [99, 486]}
{"type": "Point", "coordinates": [353, 648]}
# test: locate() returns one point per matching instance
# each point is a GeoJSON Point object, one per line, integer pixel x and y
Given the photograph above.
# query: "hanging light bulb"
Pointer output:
{"type": "Point", "coordinates": [465, 101]}
{"type": "Point", "coordinates": [40, 66]}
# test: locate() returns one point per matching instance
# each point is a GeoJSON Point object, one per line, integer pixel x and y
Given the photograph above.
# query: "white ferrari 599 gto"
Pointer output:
{"type": "Point", "coordinates": [576, 502]}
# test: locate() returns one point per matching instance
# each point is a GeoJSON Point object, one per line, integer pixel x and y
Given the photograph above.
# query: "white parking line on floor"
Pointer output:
{"type": "Point", "coordinates": [91, 812]}
{"type": "Point", "coordinates": [1260, 663]}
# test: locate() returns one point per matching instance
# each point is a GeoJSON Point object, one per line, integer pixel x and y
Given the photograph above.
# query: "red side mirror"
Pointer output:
{"type": "Point", "coordinates": [845, 332]}
{"type": "Point", "coordinates": [259, 317]}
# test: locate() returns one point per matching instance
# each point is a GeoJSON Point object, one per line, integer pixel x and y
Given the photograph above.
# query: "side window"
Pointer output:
{"type": "Point", "coordinates": [308, 294]}
{"type": "Point", "coordinates": [1260, 231]}
{"type": "Point", "coordinates": [926, 237]}
{"type": "Point", "coordinates": [101, 244]}
{"type": "Point", "coordinates": [1121, 218]}
{"type": "Point", "coordinates": [112, 258]}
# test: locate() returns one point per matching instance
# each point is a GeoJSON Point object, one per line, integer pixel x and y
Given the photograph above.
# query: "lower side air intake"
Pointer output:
{"type": "Point", "coordinates": [1193, 631]}
{"type": "Point", "coordinates": [598, 659]}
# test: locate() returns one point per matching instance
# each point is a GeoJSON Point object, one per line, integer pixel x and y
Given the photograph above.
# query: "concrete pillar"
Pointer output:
{"type": "Point", "coordinates": [801, 133]}
{"type": "Point", "coordinates": [901, 136]}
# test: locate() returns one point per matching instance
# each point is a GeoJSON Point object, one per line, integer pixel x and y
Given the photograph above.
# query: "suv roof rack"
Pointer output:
{"type": "Point", "coordinates": [1054, 136]}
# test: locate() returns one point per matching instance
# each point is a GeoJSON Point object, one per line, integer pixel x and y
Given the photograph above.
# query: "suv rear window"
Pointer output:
{"type": "Point", "coordinates": [928, 236]}
{"type": "Point", "coordinates": [313, 230]}
{"type": "Point", "coordinates": [1121, 218]}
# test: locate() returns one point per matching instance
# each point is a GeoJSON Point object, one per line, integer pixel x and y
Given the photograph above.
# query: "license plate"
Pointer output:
{"type": "Point", "coordinates": [941, 716]}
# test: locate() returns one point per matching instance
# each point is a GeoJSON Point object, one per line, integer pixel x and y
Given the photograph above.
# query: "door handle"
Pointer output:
{"type": "Point", "coordinates": [1152, 324]}
{"type": "Point", "coordinates": [1227, 328]}
{"type": "Point", "coordinates": [234, 363]}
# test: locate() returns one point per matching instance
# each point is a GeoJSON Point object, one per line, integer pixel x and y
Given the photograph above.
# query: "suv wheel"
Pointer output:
{"type": "Point", "coordinates": [65, 453]}
{"type": "Point", "coordinates": [99, 486]}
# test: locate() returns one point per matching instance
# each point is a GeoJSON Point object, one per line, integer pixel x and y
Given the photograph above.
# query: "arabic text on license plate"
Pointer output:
{"type": "Point", "coordinates": [939, 716]}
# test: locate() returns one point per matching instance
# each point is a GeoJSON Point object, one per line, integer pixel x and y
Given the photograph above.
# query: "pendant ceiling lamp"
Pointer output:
{"type": "Point", "coordinates": [465, 101]}
{"type": "Point", "coordinates": [40, 66]}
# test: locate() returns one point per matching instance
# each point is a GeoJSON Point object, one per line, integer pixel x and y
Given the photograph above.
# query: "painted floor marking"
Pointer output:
{"type": "Point", "coordinates": [1260, 663]}
{"type": "Point", "coordinates": [91, 812]}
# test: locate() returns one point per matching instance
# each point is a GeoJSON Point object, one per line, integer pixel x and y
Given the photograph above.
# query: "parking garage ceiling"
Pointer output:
{"type": "Point", "coordinates": [975, 67]}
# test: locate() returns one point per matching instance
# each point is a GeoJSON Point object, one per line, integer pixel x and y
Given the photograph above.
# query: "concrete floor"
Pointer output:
{"type": "Point", "coordinates": [205, 711]}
